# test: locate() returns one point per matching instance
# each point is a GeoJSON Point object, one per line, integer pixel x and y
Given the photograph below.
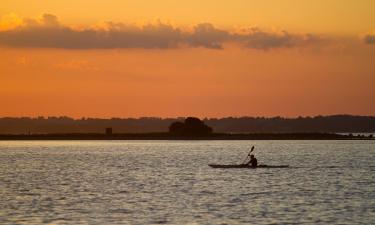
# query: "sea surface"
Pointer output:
{"type": "Point", "coordinates": [169, 182]}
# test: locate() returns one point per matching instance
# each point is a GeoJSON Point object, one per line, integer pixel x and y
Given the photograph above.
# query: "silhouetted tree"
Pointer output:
{"type": "Point", "coordinates": [191, 127]}
{"type": "Point", "coordinates": [194, 126]}
{"type": "Point", "coordinates": [176, 127]}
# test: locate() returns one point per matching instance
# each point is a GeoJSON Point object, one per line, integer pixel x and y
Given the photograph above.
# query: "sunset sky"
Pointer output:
{"type": "Point", "coordinates": [121, 58]}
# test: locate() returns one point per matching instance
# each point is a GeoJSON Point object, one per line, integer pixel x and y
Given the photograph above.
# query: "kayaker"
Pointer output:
{"type": "Point", "coordinates": [253, 161]}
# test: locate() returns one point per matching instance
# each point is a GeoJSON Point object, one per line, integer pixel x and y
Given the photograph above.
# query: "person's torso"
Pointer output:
{"type": "Point", "coordinates": [254, 162]}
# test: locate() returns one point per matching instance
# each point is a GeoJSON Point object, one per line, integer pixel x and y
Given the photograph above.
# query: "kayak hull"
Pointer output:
{"type": "Point", "coordinates": [246, 166]}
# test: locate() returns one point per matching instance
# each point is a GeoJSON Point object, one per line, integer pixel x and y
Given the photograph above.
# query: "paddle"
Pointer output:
{"type": "Point", "coordinates": [252, 149]}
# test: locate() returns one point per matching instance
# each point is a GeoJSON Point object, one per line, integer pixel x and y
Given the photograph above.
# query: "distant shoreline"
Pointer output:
{"type": "Point", "coordinates": [229, 125]}
{"type": "Point", "coordinates": [168, 136]}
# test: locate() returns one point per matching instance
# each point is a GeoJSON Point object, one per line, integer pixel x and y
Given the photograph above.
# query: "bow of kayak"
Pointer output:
{"type": "Point", "coordinates": [246, 166]}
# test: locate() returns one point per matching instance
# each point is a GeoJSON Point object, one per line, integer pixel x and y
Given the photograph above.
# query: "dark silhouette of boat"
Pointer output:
{"type": "Point", "coordinates": [246, 166]}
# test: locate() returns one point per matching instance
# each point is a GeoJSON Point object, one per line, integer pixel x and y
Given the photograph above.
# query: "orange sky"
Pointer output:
{"type": "Point", "coordinates": [233, 58]}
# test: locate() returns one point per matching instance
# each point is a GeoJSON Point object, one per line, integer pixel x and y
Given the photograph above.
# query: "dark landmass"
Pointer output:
{"type": "Point", "coordinates": [190, 127]}
{"type": "Point", "coordinates": [169, 136]}
{"type": "Point", "coordinates": [64, 125]}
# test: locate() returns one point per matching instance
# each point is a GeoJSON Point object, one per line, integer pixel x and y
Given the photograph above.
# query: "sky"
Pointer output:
{"type": "Point", "coordinates": [186, 58]}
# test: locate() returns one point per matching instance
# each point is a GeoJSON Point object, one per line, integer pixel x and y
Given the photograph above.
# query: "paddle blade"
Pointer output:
{"type": "Point", "coordinates": [252, 149]}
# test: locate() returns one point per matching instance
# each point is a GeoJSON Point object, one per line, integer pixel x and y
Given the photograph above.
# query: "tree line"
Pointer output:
{"type": "Point", "coordinates": [331, 124]}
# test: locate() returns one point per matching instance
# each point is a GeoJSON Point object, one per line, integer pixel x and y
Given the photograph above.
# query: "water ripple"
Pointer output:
{"type": "Point", "coordinates": [169, 182]}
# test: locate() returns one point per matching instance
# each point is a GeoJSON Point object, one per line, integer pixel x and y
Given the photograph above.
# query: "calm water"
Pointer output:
{"type": "Point", "coordinates": [169, 182]}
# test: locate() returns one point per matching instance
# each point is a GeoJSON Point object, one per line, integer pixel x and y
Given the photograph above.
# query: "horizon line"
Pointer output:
{"type": "Point", "coordinates": [182, 117]}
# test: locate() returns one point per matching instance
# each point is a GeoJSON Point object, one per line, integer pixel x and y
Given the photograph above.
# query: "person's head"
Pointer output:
{"type": "Point", "coordinates": [252, 156]}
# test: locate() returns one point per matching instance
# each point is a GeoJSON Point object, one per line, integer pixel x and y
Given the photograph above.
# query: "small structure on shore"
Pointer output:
{"type": "Point", "coordinates": [108, 131]}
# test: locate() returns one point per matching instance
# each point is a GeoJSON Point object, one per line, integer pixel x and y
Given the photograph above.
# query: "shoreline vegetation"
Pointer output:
{"type": "Point", "coordinates": [191, 128]}
{"type": "Point", "coordinates": [345, 124]}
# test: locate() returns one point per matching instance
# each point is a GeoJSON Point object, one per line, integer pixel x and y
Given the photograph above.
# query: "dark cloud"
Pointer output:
{"type": "Point", "coordinates": [370, 39]}
{"type": "Point", "coordinates": [50, 33]}
{"type": "Point", "coordinates": [259, 39]}
{"type": "Point", "coordinates": [206, 35]}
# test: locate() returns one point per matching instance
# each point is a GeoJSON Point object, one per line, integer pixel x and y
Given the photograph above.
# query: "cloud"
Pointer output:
{"type": "Point", "coordinates": [48, 32]}
{"type": "Point", "coordinates": [206, 35]}
{"type": "Point", "coordinates": [259, 39]}
{"type": "Point", "coordinates": [369, 38]}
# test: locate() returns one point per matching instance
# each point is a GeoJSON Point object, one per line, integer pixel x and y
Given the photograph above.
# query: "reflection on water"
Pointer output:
{"type": "Point", "coordinates": [169, 182]}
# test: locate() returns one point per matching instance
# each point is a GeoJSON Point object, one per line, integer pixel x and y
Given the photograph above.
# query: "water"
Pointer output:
{"type": "Point", "coordinates": [169, 182]}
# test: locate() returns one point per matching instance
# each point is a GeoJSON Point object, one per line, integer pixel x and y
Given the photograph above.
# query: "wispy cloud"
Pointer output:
{"type": "Point", "coordinates": [48, 32]}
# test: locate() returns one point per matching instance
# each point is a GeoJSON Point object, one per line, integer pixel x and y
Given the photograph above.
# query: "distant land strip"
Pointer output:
{"type": "Point", "coordinates": [64, 125]}
{"type": "Point", "coordinates": [168, 136]}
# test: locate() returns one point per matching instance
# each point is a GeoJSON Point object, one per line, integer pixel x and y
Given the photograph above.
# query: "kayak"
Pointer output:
{"type": "Point", "coordinates": [246, 166]}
